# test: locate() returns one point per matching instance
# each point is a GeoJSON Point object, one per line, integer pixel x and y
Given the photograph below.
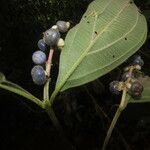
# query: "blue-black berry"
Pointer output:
{"type": "Point", "coordinates": [113, 87]}
{"type": "Point", "coordinates": [137, 60]}
{"type": "Point", "coordinates": [39, 57]}
{"type": "Point", "coordinates": [126, 75]}
{"type": "Point", "coordinates": [51, 37]}
{"type": "Point", "coordinates": [62, 26]}
{"type": "Point", "coordinates": [136, 89]}
{"type": "Point", "coordinates": [42, 45]}
{"type": "Point", "coordinates": [38, 75]}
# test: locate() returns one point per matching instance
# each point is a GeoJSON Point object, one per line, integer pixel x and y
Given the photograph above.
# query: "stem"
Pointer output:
{"type": "Point", "coordinates": [100, 111]}
{"type": "Point", "coordinates": [46, 102]}
{"type": "Point", "coordinates": [49, 62]}
{"type": "Point", "coordinates": [53, 118]}
{"type": "Point", "coordinates": [114, 121]}
{"type": "Point", "coordinates": [122, 106]}
{"type": "Point", "coordinates": [58, 127]}
{"type": "Point", "coordinates": [109, 132]}
{"type": "Point", "coordinates": [46, 90]}
{"type": "Point", "coordinates": [52, 98]}
{"type": "Point", "coordinates": [48, 70]}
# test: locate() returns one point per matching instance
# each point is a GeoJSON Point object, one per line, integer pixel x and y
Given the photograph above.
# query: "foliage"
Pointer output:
{"type": "Point", "coordinates": [97, 45]}
{"type": "Point", "coordinates": [12, 87]}
{"type": "Point", "coordinates": [23, 21]}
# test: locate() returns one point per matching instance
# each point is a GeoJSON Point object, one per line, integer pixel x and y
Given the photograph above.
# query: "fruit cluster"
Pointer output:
{"type": "Point", "coordinates": [51, 38]}
{"type": "Point", "coordinates": [129, 79]}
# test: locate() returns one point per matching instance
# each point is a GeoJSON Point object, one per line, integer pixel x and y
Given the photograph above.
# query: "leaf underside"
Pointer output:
{"type": "Point", "coordinates": [109, 32]}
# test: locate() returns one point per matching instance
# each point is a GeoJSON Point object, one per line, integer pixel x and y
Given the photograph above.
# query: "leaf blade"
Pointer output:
{"type": "Point", "coordinates": [23, 94]}
{"type": "Point", "coordinates": [76, 66]}
{"type": "Point", "coordinates": [12, 87]}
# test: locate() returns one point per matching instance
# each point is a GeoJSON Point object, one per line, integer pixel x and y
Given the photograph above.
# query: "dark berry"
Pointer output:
{"type": "Point", "coordinates": [51, 37]}
{"type": "Point", "coordinates": [126, 75]}
{"type": "Point", "coordinates": [113, 87]}
{"type": "Point", "coordinates": [137, 60]}
{"type": "Point", "coordinates": [39, 57]}
{"type": "Point", "coordinates": [136, 89]}
{"type": "Point", "coordinates": [62, 26]}
{"type": "Point", "coordinates": [41, 45]}
{"type": "Point", "coordinates": [38, 75]}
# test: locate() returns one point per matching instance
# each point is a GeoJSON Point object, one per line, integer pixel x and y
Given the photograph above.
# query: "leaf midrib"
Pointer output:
{"type": "Point", "coordinates": [95, 51]}
{"type": "Point", "coordinates": [115, 60]}
{"type": "Point", "coordinates": [76, 30]}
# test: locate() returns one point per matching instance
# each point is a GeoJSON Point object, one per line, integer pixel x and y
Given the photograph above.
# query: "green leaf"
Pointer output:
{"type": "Point", "coordinates": [145, 94]}
{"type": "Point", "coordinates": [5, 82]}
{"type": "Point", "coordinates": [109, 32]}
{"type": "Point", "coordinates": [12, 87]}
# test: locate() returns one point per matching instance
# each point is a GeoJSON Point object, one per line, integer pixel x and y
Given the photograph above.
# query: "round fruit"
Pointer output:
{"type": "Point", "coordinates": [38, 75]}
{"type": "Point", "coordinates": [51, 37]}
{"type": "Point", "coordinates": [137, 60]}
{"type": "Point", "coordinates": [41, 45]}
{"type": "Point", "coordinates": [63, 26]}
{"type": "Point", "coordinates": [113, 87]}
{"type": "Point", "coordinates": [126, 75]}
{"type": "Point", "coordinates": [136, 89]}
{"type": "Point", "coordinates": [39, 57]}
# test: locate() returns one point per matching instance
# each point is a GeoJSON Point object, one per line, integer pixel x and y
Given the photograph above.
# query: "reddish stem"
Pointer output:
{"type": "Point", "coordinates": [49, 62]}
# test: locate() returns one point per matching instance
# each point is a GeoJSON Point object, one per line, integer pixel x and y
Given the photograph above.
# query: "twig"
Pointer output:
{"type": "Point", "coordinates": [100, 111]}
{"type": "Point", "coordinates": [47, 105]}
{"type": "Point", "coordinates": [49, 62]}
{"type": "Point", "coordinates": [122, 106]}
{"type": "Point", "coordinates": [48, 71]}
{"type": "Point", "coordinates": [115, 119]}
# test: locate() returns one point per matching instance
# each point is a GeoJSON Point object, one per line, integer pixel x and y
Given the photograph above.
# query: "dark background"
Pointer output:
{"type": "Point", "coordinates": [25, 126]}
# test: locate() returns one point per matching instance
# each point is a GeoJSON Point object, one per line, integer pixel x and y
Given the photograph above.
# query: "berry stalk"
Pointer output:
{"type": "Point", "coordinates": [47, 106]}
{"type": "Point", "coordinates": [46, 102]}
{"type": "Point", "coordinates": [49, 62]}
{"type": "Point", "coordinates": [122, 106]}
{"type": "Point", "coordinates": [48, 72]}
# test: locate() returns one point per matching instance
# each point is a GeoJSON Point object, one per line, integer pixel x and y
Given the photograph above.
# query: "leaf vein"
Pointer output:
{"type": "Point", "coordinates": [98, 50]}
{"type": "Point", "coordinates": [113, 61]}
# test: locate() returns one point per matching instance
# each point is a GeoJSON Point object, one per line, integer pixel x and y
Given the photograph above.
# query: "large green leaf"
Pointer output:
{"type": "Point", "coordinates": [109, 32]}
{"type": "Point", "coordinates": [12, 87]}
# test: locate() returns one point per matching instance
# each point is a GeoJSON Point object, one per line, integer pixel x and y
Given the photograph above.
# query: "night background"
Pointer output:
{"type": "Point", "coordinates": [23, 125]}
